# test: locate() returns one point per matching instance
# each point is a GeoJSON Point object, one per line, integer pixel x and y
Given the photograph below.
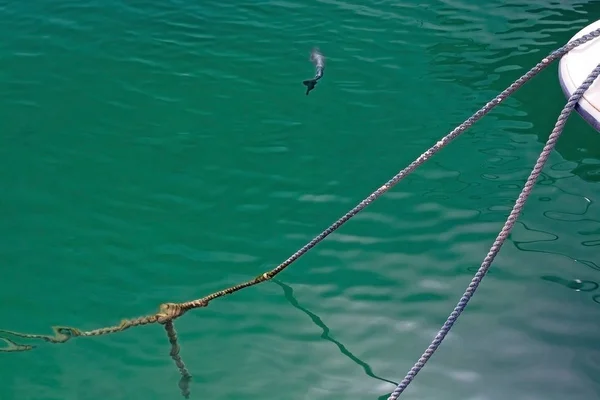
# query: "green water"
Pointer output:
{"type": "Point", "coordinates": [160, 151]}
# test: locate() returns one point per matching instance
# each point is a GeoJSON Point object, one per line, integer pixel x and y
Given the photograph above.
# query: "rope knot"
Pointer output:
{"type": "Point", "coordinates": [64, 332]}
{"type": "Point", "coordinates": [169, 312]}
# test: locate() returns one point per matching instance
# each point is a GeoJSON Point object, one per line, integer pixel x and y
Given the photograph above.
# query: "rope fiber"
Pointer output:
{"type": "Point", "coordinates": [169, 312]}
{"type": "Point", "coordinates": [502, 236]}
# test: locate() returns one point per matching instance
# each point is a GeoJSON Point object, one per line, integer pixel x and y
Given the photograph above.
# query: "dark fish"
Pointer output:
{"type": "Point", "coordinates": [319, 60]}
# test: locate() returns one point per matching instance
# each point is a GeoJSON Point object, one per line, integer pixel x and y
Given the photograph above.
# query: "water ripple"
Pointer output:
{"type": "Point", "coordinates": [161, 151]}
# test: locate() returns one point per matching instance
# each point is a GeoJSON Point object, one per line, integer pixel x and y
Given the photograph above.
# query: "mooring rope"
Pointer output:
{"type": "Point", "coordinates": [502, 236]}
{"type": "Point", "coordinates": [168, 312]}
{"type": "Point", "coordinates": [184, 382]}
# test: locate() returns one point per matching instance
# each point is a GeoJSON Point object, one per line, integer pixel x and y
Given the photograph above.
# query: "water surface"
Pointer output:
{"type": "Point", "coordinates": [160, 151]}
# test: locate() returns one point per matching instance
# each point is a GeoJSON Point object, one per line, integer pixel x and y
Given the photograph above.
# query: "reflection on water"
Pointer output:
{"type": "Point", "coordinates": [530, 31]}
{"type": "Point", "coordinates": [576, 284]}
{"type": "Point", "coordinates": [289, 295]}
{"type": "Point", "coordinates": [135, 181]}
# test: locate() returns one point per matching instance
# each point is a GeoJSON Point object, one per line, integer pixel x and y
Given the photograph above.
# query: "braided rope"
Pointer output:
{"type": "Point", "coordinates": [434, 149]}
{"type": "Point", "coordinates": [168, 312]}
{"type": "Point", "coordinates": [184, 381]}
{"type": "Point", "coordinates": [502, 236]}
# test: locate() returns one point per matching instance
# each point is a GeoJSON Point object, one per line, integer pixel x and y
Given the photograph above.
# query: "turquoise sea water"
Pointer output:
{"type": "Point", "coordinates": [159, 151]}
